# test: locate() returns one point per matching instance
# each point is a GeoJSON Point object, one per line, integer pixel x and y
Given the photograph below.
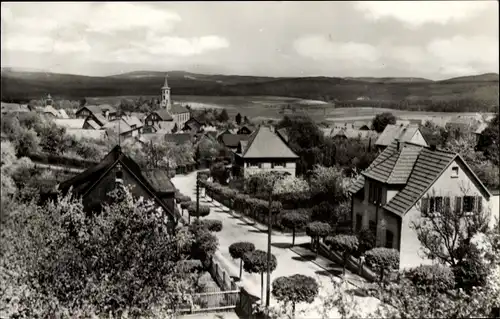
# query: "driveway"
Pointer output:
{"type": "Point", "coordinates": [289, 263]}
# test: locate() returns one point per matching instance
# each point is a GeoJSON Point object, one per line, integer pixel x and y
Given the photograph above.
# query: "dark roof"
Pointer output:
{"type": "Point", "coordinates": [178, 139]}
{"type": "Point", "coordinates": [232, 140]}
{"type": "Point", "coordinates": [357, 185]}
{"type": "Point", "coordinates": [264, 143]}
{"type": "Point", "coordinates": [98, 109]}
{"type": "Point", "coordinates": [178, 109]}
{"type": "Point", "coordinates": [86, 181]}
{"type": "Point", "coordinates": [163, 115]}
{"type": "Point", "coordinates": [160, 180]}
{"type": "Point", "coordinates": [393, 165]}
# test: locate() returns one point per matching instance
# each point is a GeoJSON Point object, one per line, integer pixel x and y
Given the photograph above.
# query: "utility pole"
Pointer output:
{"type": "Point", "coordinates": [269, 232]}
{"type": "Point", "coordinates": [198, 196]}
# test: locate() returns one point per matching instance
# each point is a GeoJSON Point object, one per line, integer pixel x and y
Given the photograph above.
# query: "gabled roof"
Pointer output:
{"type": "Point", "coordinates": [70, 123]}
{"type": "Point", "coordinates": [50, 109]}
{"type": "Point", "coordinates": [178, 109]}
{"type": "Point", "coordinates": [159, 180]}
{"type": "Point", "coordinates": [118, 125]}
{"type": "Point", "coordinates": [98, 109]}
{"type": "Point", "coordinates": [481, 127]}
{"type": "Point", "coordinates": [414, 166]}
{"type": "Point", "coordinates": [392, 132]}
{"type": "Point", "coordinates": [264, 143]}
{"type": "Point", "coordinates": [84, 182]}
{"type": "Point", "coordinates": [132, 120]}
{"type": "Point", "coordinates": [232, 140]}
{"type": "Point", "coordinates": [93, 124]}
{"type": "Point", "coordinates": [163, 115]}
{"type": "Point", "coordinates": [393, 165]}
{"type": "Point", "coordinates": [99, 118]}
{"type": "Point", "coordinates": [63, 114]}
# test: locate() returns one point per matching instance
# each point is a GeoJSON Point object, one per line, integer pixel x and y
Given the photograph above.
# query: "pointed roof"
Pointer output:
{"type": "Point", "coordinates": [49, 97]}
{"type": "Point", "coordinates": [165, 85]}
{"type": "Point", "coordinates": [264, 143]}
{"type": "Point", "coordinates": [84, 182]}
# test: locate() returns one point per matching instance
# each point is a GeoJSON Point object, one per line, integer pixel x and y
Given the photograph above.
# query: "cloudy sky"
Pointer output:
{"type": "Point", "coordinates": [416, 38]}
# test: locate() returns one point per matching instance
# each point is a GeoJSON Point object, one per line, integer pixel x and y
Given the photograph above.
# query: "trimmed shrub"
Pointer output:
{"type": "Point", "coordinates": [184, 199]}
{"type": "Point", "coordinates": [295, 289]}
{"type": "Point", "coordinates": [346, 245]}
{"type": "Point", "coordinates": [239, 249]}
{"type": "Point", "coordinates": [382, 260]}
{"type": "Point", "coordinates": [256, 262]}
{"type": "Point", "coordinates": [185, 205]}
{"type": "Point", "coordinates": [429, 277]}
{"type": "Point", "coordinates": [317, 230]}
{"type": "Point", "coordinates": [295, 220]}
{"type": "Point", "coordinates": [204, 210]}
{"type": "Point", "coordinates": [212, 225]}
{"type": "Point", "coordinates": [366, 240]}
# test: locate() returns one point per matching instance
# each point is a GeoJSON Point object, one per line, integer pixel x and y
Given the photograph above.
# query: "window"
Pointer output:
{"type": "Point", "coordinates": [278, 164]}
{"type": "Point", "coordinates": [259, 165]}
{"type": "Point", "coordinates": [375, 193]}
{"type": "Point", "coordinates": [468, 205]}
{"type": "Point", "coordinates": [436, 204]}
{"type": "Point", "coordinates": [359, 222]}
{"type": "Point", "coordinates": [389, 239]}
{"type": "Point", "coordinates": [454, 172]}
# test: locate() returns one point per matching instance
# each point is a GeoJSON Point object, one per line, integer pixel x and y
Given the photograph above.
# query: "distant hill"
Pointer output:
{"type": "Point", "coordinates": [480, 91]}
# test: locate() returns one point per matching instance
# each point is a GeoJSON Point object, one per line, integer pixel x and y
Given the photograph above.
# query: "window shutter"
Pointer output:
{"type": "Point", "coordinates": [478, 204]}
{"type": "Point", "coordinates": [458, 204]}
{"type": "Point", "coordinates": [425, 206]}
{"type": "Point", "coordinates": [432, 204]}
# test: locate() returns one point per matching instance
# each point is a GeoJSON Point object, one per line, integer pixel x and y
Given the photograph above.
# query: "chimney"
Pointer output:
{"type": "Point", "coordinates": [433, 147]}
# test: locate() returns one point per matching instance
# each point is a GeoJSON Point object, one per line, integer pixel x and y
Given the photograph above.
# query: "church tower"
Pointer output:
{"type": "Point", "coordinates": [48, 100]}
{"type": "Point", "coordinates": [166, 102]}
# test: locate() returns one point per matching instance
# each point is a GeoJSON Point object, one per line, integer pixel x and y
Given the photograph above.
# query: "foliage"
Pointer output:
{"type": "Point", "coordinates": [315, 230]}
{"type": "Point", "coordinates": [432, 277]}
{"type": "Point", "coordinates": [295, 220]}
{"type": "Point", "coordinates": [256, 262]}
{"type": "Point", "coordinates": [366, 240]}
{"type": "Point", "coordinates": [205, 243]}
{"type": "Point", "coordinates": [346, 245]}
{"type": "Point", "coordinates": [212, 225]}
{"type": "Point", "coordinates": [204, 210]}
{"type": "Point", "coordinates": [53, 139]}
{"type": "Point", "coordinates": [295, 289]}
{"type": "Point", "coordinates": [322, 212]}
{"type": "Point", "coordinates": [156, 154]}
{"type": "Point", "coordinates": [380, 121]}
{"type": "Point", "coordinates": [327, 184]}
{"type": "Point", "coordinates": [349, 154]}
{"type": "Point", "coordinates": [8, 154]}
{"type": "Point", "coordinates": [26, 142]}
{"type": "Point", "coordinates": [239, 249]}
{"type": "Point", "coordinates": [489, 140]}
{"type": "Point", "coordinates": [237, 118]}
{"type": "Point", "coordinates": [434, 134]}
{"type": "Point", "coordinates": [382, 260]}
{"type": "Point", "coordinates": [63, 262]}
{"type": "Point", "coordinates": [471, 271]}
{"type": "Point", "coordinates": [223, 116]}
{"type": "Point", "coordinates": [207, 149]}
{"type": "Point", "coordinates": [219, 173]}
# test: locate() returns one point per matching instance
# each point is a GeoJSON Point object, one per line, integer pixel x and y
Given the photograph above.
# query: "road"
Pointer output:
{"type": "Point", "coordinates": [289, 263]}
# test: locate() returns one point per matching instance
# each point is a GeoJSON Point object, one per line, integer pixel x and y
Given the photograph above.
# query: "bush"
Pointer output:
{"type": "Point", "coordinates": [191, 265]}
{"type": "Point", "coordinates": [212, 225]}
{"type": "Point", "coordinates": [205, 243]}
{"type": "Point", "coordinates": [322, 212]}
{"type": "Point", "coordinates": [204, 210]}
{"type": "Point", "coordinates": [382, 260]}
{"type": "Point", "coordinates": [366, 240]}
{"type": "Point", "coordinates": [295, 289]}
{"type": "Point", "coordinates": [380, 121]}
{"type": "Point", "coordinates": [295, 220]}
{"type": "Point", "coordinates": [185, 205]}
{"type": "Point", "coordinates": [470, 272]}
{"type": "Point", "coordinates": [184, 199]}
{"type": "Point", "coordinates": [346, 245]}
{"type": "Point", "coordinates": [256, 262]}
{"type": "Point", "coordinates": [317, 230]}
{"type": "Point", "coordinates": [239, 249]}
{"type": "Point", "coordinates": [219, 173]}
{"type": "Point", "coordinates": [430, 277]}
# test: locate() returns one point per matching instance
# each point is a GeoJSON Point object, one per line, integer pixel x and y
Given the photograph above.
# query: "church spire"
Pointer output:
{"type": "Point", "coordinates": [165, 85]}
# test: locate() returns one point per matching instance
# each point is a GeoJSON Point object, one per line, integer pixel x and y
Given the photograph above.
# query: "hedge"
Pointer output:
{"type": "Point", "coordinates": [60, 160]}
{"type": "Point", "coordinates": [212, 225]}
{"type": "Point", "coordinates": [382, 260]}
{"type": "Point", "coordinates": [428, 277]}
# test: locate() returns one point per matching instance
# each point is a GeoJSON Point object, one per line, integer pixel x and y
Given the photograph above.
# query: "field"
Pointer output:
{"type": "Point", "coordinates": [262, 108]}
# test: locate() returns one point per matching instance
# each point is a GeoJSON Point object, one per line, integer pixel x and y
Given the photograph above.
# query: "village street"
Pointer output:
{"type": "Point", "coordinates": [289, 263]}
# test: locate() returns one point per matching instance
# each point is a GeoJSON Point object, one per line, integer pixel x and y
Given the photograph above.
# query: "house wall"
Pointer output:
{"type": "Point", "coordinates": [251, 167]}
{"type": "Point", "coordinates": [418, 139]}
{"type": "Point", "coordinates": [495, 210]}
{"type": "Point", "coordinates": [445, 185]}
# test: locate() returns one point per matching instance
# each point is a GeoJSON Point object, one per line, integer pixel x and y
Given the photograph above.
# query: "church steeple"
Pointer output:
{"type": "Point", "coordinates": [165, 95]}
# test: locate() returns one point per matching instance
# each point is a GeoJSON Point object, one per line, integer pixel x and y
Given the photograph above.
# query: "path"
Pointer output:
{"type": "Point", "coordinates": [289, 263]}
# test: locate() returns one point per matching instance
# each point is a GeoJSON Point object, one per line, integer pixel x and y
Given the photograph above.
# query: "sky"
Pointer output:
{"type": "Point", "coordinates": [431, 39]}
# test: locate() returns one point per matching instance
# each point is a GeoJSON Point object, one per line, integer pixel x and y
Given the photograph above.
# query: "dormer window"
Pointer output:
{"type": "Point", "coordinates": [454, 172]}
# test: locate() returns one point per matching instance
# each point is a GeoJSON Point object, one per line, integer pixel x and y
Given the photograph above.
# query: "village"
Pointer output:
{"type": "Point", "coordinates": [257, 198]}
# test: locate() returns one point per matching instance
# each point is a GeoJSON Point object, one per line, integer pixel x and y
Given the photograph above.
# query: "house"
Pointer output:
{"type": "Point", "coordinates": [63, 114]}
{"type": "Point", "coordinates": [135, 124]}
{"type": "Point", "coordinates": [231, 141]}
{"type": "Point", "coordinates": [116, 169]}
{"type": "Point", "coordinates": [87, 134]}
{"type": "Point", "coordinates": [157, 117]}
{"type": "Point", "coordinates": [121, 127]}
{"type": "Point", "coordinates": [193, 125]}
{"type": "Point", "coordinates": [403, 133]}
{"type": "Point", "coordinates": [263, 151]}
{"type": "Point", "coordinates": [402, 185]}
{"type": "Point", "coordinates": [107, 111]}
{"type": "Point", "coordinates": [70, 123]}
{"type": "Point", "coordinates": [245, 130]}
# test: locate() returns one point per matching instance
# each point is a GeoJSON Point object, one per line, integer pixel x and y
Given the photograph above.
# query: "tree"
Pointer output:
{"type": "Point", "coordinates": [175, 128]}
{"type": "Point", "coordinates": [256, 262]}
{"type": "Point", "coordinates": [239, 249]}
{"type": "Point", "coordinates": [382, 260]}
{"type": "Point", "coordinates": [238, 118]}
{"type": "Point", "coordinates": [52, 139]}
{"type": "Point", "coordinates": [446, 230]}
{"type": "Point", "coordinates": [26, 142]}
{"type": "Point", "coordinates": [246, 120]}
{"type": "Point", "coordinates": [204, 210]}
{"type": "Point", "coordinates": [295, 289]}
{"type": "Point", "coordinates": [156, 154]}
{"type": "Point", "coordinates": [489, 140]}
{"type": "Point", "coordinates": [366, 240]}
{"type": "Point", "coordinates": [317, 230]}
{"type": "Point", "coordinates": [346, 245]}
{"type": "Point", "coordinates": [327, 184]}
{"type": "Point", "coordinates": [219, 173]}
{"type": "Point", "coordinates": [223, 116]}
{"type": "Point", "coordinates": [294, 220]}
{"type": "Point", "coordinates": [380, 121]}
